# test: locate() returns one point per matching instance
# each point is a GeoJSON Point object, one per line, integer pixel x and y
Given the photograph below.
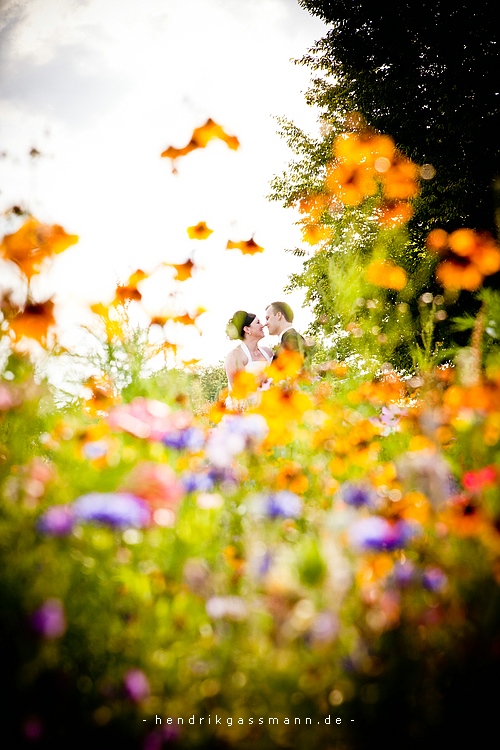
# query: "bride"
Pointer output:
{"type": "Point", "coordinates": [250, 355]}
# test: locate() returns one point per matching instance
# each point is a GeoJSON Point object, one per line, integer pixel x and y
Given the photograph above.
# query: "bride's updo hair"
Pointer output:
{"type": "Point", "coordinates": [239, 321]}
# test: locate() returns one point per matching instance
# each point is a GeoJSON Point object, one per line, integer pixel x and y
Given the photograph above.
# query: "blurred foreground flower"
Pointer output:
{"type": "Point", "coordinates": [49, 620]}
{"type": "Point", "coordinates": [467, 257]}
{"type": "Point", "coordinates": [116, 509]}
{"type": "Point", "coordinates": [157, 484]}
{"type": "Point", "coordinates": [57, 521]}
{"type": "Point", "coordinates": [136, 685]}
{"type": "Point", "coordinates": [386, 274]}
{"type": "Point", "coordinates": [227, 607]}
{"type": "Point", "coordinates": [33, 243]}
{"type": "Point", "coordinates": [357, 495]}
{"type": "Point", "coordinates": [377, 533]}
{"type": "Point", "coordinates": [199, 139]}
{"type": "Point", "coordinates": [247, 247]}
{"type": "Point", "coordinates": [199, 232]}
{"type": "Point", "coordinates": [282, 504]}
{"type": "Point", "coordinates": [232, 435]}
{"type": "Point", "coordinates": [34, 321]}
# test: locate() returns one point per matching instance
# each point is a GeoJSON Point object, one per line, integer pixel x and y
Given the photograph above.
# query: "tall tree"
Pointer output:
{"type": "Point", "coordinates": [427, 73]}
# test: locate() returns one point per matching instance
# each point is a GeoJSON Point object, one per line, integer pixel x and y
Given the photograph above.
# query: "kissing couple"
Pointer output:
{"type": "Point", "coordinates": [251, 355]}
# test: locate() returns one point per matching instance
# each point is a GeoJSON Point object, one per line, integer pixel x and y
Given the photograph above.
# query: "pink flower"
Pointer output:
{"type": "Point", "coordinates": [149, 419]}
{"type": "Point", "coordinates": [136, 685]}
{"type": "Point", "coordinates": [156, 483]}
{"type": "Point", "coordinates": [474, 481]}
{"type": "Point", "coordinates": [49, 619]}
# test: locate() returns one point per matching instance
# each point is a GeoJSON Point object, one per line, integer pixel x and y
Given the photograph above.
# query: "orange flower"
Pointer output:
{"type": "Point", "coordinates": [247, 247]}
{"type": "Point", "coordinates": [219, 408]}
{"type": "Point", "coordinates": [386, 274]}
{"type": "Point", "coordinates": [209, 131]}
{"type": "Point", "coordinates": [102, 394]}
{"type": "Point", "coordinates": [129, 291]}
{"type": "Point", "coordinates": [244, 384]}
{"type": "Point", "coordinates": [183, 271]}
{"type": "Point", "coordinates": [365, 160]}
{"type": "Point", "coordinates": [283, 410]}
{"type": "Point", "coordinates": [199, 139]}
{"type": "Point", "coordinates": [314, 206]}
{"type": "Point", "coordinates": [199, 232]}
{"type": "Point", "coordinates": [233, 558]}
{"type": "Point", "coordinates": [34, 321]}
{"type": "Point", "coordinates": [313, 233]}
{"type": "Point", "coordinates": [126, 293]}
{"type": "Point", "coordinates": [437, 240]}
{"type": "Point", "coordinates": [455, 275]}
{"type": "Point", "coordinates": [351, 184]}
{"type": "Point", "coordinates": [291, 477]}
{"type": "Point", "coordinates": [33, 242]}
{"type": "Point", "coordinates": [394, 214]}
{"type": "Point", "coordinates": [186, 319]}
{"type": "Point", "coordinates": [287, 365]}
{"type": "Point", "coordinates": [399, 182]}
{"type": "Point", "coordinates": [468, 257]}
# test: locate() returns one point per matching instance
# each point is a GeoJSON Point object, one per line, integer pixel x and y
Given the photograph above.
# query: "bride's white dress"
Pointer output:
{"type": "Point", "coordinates": [256, 366]}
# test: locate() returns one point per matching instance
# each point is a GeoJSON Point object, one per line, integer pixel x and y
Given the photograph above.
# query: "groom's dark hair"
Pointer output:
{"type": "Point", "coordinates": [284, 309]}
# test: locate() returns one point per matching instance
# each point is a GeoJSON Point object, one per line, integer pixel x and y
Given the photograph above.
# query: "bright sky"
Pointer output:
{"type": "Point", "coordinates": [101, 88]}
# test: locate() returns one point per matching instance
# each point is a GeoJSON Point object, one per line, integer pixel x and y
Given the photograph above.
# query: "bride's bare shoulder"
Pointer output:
{"type": "Point", "coordinates": [236, 357]}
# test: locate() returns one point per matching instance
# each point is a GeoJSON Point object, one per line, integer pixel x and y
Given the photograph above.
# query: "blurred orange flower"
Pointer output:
{"type": "Point", "coordinates": [199, 232]}
{"type": "Point", "coordinates": [33, 242]}
{"type": "Point", "coordinates": [183, 271]}
{"type": "Point", "coordinates": [468, 257]}
{"type": "Point", "coordinates": [247, 247]}
{"type": "Point", "coordinates": [363, 161]}
{"type": "Point", "coordinates": [314, 233]}
{"type": "Point", "coordinates": [291, 477]}
{"type": "Point", "coordinates": [314, 205]}
{"type": "Point", "coordinates": [34, 321]}
{"type": "Point", "coordinates": [399, 182]}
{"type": "Point", "coordinates": [351, 184]}
{"type": "Point", "coordinates": [386, 274]}
{"type": "Point", "coordinates": [393, 214]}
{"type": "Point", "coordinates": [102, 394]}
{"type": "Point", "coordinates": [244, 384]}
{"type": "Point", "coordinates": [287, 365]}
{"type": "Point", "coordinates": [199, 139]}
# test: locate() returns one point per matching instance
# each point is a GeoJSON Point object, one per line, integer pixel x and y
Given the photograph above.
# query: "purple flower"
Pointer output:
{"type": "Point", "coordinates": [136, 685]}
{"type": "Point", "coordinates": [404, 573]}
{"type": "Point", "coordinates": [194, 482]}
{"type": "Point", "coordinates": [283, 504]}
{"type": "Point", "coordinates": [57, 521]}
{"type": "Point", "coordinates": [376, 533]}
{"type": "Point", "coordinates": [434, 579]}
{"type": "Point", "coordinates": [191, 438]}
{"type": "Point", "coordinates": [357, 495]}
{"type": "Point", "coordinates": [117, 509]}
{"type": "Point", "coordinates": [49, 619]}
{"type": "Point", "coordinates": [252, 427]}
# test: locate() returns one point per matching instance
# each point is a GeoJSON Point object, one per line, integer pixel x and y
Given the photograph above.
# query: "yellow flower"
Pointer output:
{"type": "Point", "coordinates": [244, 384]}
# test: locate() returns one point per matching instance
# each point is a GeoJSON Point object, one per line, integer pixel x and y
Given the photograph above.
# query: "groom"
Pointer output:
{"type": "Point", "coordinates": [279, 317]}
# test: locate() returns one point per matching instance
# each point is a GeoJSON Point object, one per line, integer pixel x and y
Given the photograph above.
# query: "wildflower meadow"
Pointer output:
{"type": "Point", "coordinates": [318, 566]}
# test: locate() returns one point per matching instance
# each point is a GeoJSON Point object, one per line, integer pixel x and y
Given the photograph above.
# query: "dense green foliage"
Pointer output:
{"type": "Point", "coordinates": [426, 72]}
